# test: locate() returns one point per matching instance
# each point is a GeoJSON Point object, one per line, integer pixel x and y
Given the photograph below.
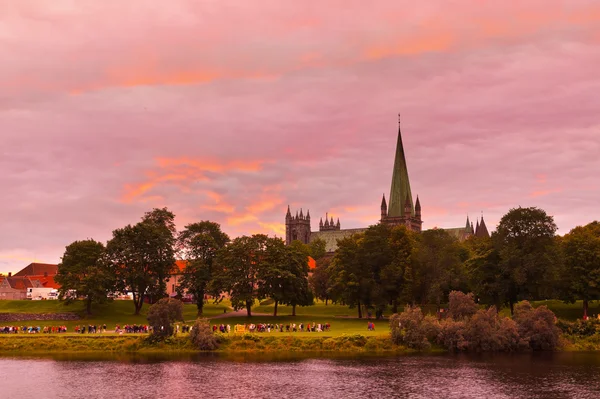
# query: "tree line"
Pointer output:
{"type": "Point", "coordinates": [524, 259]}
{"type": "Point", "coordinates": [382, 269]}
{"type": "Point", "coordinates": [141, 258]}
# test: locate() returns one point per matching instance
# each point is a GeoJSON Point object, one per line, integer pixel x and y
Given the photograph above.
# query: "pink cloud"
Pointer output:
{"type": "Point", "coordinates": [229, 111]}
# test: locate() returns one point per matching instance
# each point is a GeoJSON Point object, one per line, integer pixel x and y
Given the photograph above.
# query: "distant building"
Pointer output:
{"type": "Point", "coordinates": [401, 211]}
{"type": "Point", "coordinates": [15, 287]}
{"type": "Point", "coordinates": [43, 272]}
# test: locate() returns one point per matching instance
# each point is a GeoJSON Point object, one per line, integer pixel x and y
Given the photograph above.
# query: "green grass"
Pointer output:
{"type": "Point", "coordinates": [342, 319]}
{"type": "Point", "coordinates": [111, 313]}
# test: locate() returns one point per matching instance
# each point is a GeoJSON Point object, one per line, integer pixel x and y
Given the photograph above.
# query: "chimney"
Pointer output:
{"type": "Point", "coordinates": [9, 274]}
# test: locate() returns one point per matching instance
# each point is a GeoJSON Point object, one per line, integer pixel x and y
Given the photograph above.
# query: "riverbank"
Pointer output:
{"type": "Point", "coordinates": [114, 343]}
{"type": "Point", "coordinates": [20, 344]}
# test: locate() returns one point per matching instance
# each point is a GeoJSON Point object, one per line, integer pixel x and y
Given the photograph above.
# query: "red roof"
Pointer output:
{"type": "Point", "coordinates": [179, 266]}
{"type": "Point", "coordinates": [47, 281]}
{"type": "Point", "coordinates": [38, 269]}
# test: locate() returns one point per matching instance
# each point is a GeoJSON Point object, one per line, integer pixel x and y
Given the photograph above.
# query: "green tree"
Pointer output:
{"type": "Point", "coordinates": [143, 255]}
{"type": "Point", "coordinates": [526, 245]}
{"type": "Point", "coordinates": [581, 249]}
{"type": "Point", "coordinates": [317, 248]}
{"type": "Point", "coordinates": [163, 314]}
{"type": "Point", "coordinates": [84, 273]}
{"type": "Point", "coordinates": [298, 292]}
{"type": "Point", "coordinates": [440, 266]}
{"type": "Point", "coordinates": [352, 281]}
{"type": "Point", "coordinates": [239, 265]}
{"type": "Point", "coordinates": [396, 276]}
{"type": "Point", "coordinates": [320, 280]}
{"type": "Point", "coordinates": [199, 244]}
{"type": "Point", "coordinates": [486, 280]}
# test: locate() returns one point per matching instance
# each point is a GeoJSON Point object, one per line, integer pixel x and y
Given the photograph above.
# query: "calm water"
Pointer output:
{"type": "Point", "coordinates": [565, 375]}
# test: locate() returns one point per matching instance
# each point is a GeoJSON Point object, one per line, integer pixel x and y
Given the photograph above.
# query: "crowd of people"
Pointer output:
{"type": "Point", "coordinates": [264, 327]}
{"type": "Point", "coordinates": [132, 329]}
{"type": "Point", "coordinates": [91, 329]}
{"type": "Point", "coordinates": [30, 329]}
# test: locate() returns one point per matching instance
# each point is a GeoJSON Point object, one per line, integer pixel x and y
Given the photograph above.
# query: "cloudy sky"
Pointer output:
{"type": "Point", "coordinates": [230, 110]}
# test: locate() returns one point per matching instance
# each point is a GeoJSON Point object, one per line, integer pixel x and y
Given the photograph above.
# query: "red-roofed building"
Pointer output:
{"type": "Point", "coordinates": [43, 272]}
{"type": "Point", "coordinates": [175, 278]}
{"type": "Point", "coordinates": [15, 287]}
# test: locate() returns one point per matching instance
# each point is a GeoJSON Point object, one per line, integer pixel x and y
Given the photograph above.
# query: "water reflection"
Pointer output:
{"type": "Point", "coordinates": [558, 375]}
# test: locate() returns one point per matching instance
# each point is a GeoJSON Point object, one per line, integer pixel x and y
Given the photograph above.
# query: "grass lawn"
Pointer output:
{"type": "Point", "coordinates": [342, 319]}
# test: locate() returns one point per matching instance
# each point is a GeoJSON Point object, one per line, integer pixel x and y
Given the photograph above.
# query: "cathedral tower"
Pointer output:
{"type": "Point", "coordinates": [297, 227]}
{"type": "Point", "coordinates": [400, 209]}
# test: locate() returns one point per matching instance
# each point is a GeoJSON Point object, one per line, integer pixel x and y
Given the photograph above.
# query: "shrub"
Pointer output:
{"type": "Point", "coordinates": [461, 305]}
{"type": "Point", "coordinates": [162, 314]}
{"type": "Point", "coordinates": [536, 326]}
{"type": "Point", "coordinates": [582, 328]}
{"type": "Point", "coordinates": [431, 327]}
{"type": "Point", "coordinates": [452, 335]}
{"type": "Point", "coordinates": [487, 332]}
{"type": "Point", "coordinates": [202, 336]}
{"type": "Point", "coordinates": [407, 329]}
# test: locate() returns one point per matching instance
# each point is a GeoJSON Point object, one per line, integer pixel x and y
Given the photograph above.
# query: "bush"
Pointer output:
{"type": "Point", "coordinates": [582, 328]}
{"type": "Point", "coordinates": [536, 326]}
{"type": "Point", "coordinates": [202, 336]}
{"type": "Point", "coordinates": [407, 329]}
{"type": "Point", "coordinates": [487, 332]}
{"type": "Point", "coordinates": [452, 335]}
{"type": "Point", "coordinates": [162, 314]}
{"type": "Point", "coordinates": [461, 305]}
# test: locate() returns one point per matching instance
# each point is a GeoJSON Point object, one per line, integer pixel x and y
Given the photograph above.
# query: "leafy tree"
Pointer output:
{"type": "Point", "coordinates": [486, 279]}
{"type": "Point", "coordinates": [239, 264]}
{"type": "Point", "coordinates": [440, 266]}
{"type": "Point", "coordinates": [461, 306]}
{"type": "Point", "coordinates": [84, 273]}
{"type": "Point", "coordinates": [525, 241]}
{"type": "Point", "coordinates": [320, 280]}
{"type": "Point", "coordinates": [353, 282]}
{"type": "Point", "coordinates": [396, 277]}
{"type": "Point", "coordinates": [203, 337]}
{"type": "Point", "coordinates": [537, 326]}
{"type": "Point", "coordinates": [199, 244]}
{"type": "Point", "coordinates": [163, 314]}
{"type": "Point", "coordinates": [143, 255]}
{"type": "Point", "coordinates": [300, 293]}
{"type": "Point", "coordinates": [317, 249]}
{"type": "Point", "coordinates": [581, 249]}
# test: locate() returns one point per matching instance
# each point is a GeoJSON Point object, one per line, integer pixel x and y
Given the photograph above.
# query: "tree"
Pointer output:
{"type": "Point", "coordinates": [299, 292]}
{"type": "Point", "coordinates": [440, 266]}
{"type": "Point", "coordinates": [199, 244]}
{"type": "Point", "coordinates": [143, 255]}
{"type": "Point", "coordinates": [239, 265]}
{"type": "Point", "coordinates": [486, 280]}
{"type": "Point", "coordinates": [84, 273]}
{"type": "Point", "coordinates": [317, 248]}
{"type": "Point", "coordinates": [352, 280]}
{"type": "Point", "coordinates": [396, 276]}
{"type": "Point", "coordinates": [581, 274]}
{"type": "Point", "coordinates": [163, 314]}
{"type": "Point", "coordinates": [320, 280]}
{"type": "Point", "coordinates": [526, 245]}
{"type": "Point", "coordinates": [275, 276]}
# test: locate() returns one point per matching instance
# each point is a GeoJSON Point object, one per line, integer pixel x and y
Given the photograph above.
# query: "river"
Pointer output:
{"type": "Point", "coordinates": [547, 375]}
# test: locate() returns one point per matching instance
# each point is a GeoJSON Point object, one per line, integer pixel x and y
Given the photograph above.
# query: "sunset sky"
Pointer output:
{"type": "Point", "coordinates": [229, 110]}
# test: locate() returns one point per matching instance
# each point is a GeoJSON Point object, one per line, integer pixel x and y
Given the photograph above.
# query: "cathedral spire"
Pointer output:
{"type": "Point", "coordinates": [400, 194]}
{"type": "Point", "coordinates": [482, 230]}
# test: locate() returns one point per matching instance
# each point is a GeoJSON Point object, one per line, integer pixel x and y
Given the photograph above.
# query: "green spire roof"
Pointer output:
{"type": "Point", "coordinates": [400, 191]}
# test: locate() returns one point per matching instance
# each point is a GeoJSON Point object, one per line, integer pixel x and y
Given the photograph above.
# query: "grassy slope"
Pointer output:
{"type": "Point", "coordinates": [342, 319]}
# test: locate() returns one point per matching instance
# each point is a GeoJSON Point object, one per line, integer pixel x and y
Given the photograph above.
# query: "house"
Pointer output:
{"type": "Point", "coordinates": [43, 272]}
{"type": "Point", "coordinates": [175, 277]}
{"type": "Point", "coordinates": [15, 287]}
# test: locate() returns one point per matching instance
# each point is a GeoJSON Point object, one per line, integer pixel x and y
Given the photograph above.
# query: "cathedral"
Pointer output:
{"type": "Point", "coordinates": [400, 211]}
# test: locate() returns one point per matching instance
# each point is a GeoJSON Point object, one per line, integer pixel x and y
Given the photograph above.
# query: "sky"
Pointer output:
{"type": "Point", "coordinates": [229, 110]}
